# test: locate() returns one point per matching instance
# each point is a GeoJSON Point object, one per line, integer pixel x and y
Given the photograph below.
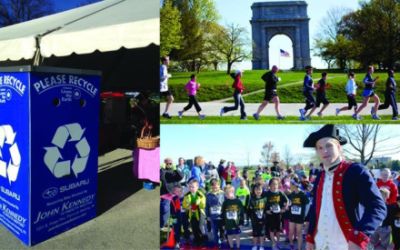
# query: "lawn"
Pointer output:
{"type": "Point", "coordinates": [386, 119]}
{"type": "Point", "coordinates": [217, 85]}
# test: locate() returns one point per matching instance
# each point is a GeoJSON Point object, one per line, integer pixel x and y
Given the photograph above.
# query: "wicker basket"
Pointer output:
{"type": "Point", "coordinates": [147, 141]}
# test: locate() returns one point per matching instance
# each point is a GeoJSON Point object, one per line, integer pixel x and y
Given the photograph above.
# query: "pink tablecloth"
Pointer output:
{"type": "Point", "coordinates": [146, 164]}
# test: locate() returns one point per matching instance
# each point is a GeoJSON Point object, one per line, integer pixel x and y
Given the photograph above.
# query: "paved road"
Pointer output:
{"type": "Point", "coordinates": [128, 217]}
{"type": "Point", "coordinates": [213, 109]}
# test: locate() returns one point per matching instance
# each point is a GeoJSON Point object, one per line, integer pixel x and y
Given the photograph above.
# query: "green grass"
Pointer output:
{"type": "Point", "coordinates": [217, 85]}
{"type": "Point", "coordinates": [386, 119]}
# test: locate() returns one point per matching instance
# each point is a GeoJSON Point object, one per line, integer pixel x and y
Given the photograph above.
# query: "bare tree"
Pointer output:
{"type": "Point", "coordinates": [287, 156]}
{"type": "Point", "coordinates": [16, 11]}
{"type": "Point", "coordinates": [266, 153]}
{"type": "Point", "coordinates": [367, 141]}
{"type": "Point", "coordinates": [330, 24]}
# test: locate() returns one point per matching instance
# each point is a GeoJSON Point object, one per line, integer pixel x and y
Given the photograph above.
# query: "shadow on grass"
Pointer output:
{"type": "Point", "coordinates": [115, 185]}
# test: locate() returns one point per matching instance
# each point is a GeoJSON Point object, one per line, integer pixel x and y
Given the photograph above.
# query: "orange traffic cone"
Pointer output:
{"type": "Point", "coordinates": [170, 243]}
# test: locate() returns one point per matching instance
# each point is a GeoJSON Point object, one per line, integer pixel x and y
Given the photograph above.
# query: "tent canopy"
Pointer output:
{"type": "Point", "coordinates": [105, 26]}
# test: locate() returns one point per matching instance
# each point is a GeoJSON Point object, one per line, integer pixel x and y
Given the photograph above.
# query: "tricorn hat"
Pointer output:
{"type": "Point", "coordinates": [328, 130]}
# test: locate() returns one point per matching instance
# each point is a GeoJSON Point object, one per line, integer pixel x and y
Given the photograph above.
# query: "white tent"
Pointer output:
{"type": "Point", "coordinates": [105, 26]}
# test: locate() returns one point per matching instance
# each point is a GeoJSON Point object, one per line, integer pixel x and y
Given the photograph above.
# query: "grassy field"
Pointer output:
{"type": "Point", "coordinates": [217, 85]}
{"type": "Point", "coordinates": [386, 119]}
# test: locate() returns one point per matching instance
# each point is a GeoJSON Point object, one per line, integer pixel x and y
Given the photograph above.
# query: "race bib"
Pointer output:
{"type": "Point", "coordinates": [182, 209]}
{"type": "Point", "coordinates": [231, 215]}
{"type": "Point", "coordinates": [296, 210]}
{"type": "Point", "coordinates": [275, 208]}
{"type": "Point", "coordinates": [397, 223]}
{"type": "Point", "coordinates": [259, 214]}
{"type": "Point", "coordinates": [215, 210]}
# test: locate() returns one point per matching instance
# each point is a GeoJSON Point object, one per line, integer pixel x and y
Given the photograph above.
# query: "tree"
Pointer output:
{"type": "Point", "coordinates": [197, 16]}
{"type": "Point", "coordinates": [376, 30]}
{"type": "Point", "coordinates": [170, 28]}
{"type": "Point", "coordinates": [366, 142]}
{"type": "Point", "coordinates": [287, 156]}
{"type": "Point", "coordinates": [330, 24]}
{"type": "Point", "coordinates": [230, 42]}
{"type": "Point", "coordinates": [16, 11]}
{"type": "Point", "coordinates": [266, 153]}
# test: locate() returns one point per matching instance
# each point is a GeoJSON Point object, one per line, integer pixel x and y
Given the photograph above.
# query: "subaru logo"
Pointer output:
{"type": "Point", "coordinates": [50, 193]}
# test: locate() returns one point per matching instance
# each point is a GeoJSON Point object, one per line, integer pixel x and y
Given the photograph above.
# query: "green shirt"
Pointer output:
{"type": "Point", "coordinates": [276, 201]}
{"type": "Point", "coordinates": [243, 195]}
{"type": "Point", "coordinates": [257, 207]}
{"type": "Point", "coordinates": [232, 213]}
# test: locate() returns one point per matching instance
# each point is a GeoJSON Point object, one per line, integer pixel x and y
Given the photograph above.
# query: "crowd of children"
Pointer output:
{"type": "Point", "coordinates": [213, 210]}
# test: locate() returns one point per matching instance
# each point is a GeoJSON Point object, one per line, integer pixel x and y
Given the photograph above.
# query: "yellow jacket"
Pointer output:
{"type": "Point", "coordinates": [197, 208]}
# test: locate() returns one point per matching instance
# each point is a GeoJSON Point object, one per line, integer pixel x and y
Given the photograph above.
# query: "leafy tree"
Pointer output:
{"type": "Point", "coordinates": [375, 28]}
{"type": "Point", "coordinates": [170, 28]}
{"type": "Point", "coordinates": [230, 43]}
{"type": "Point", "coordinates": [16, 11]}
{"type": "Point", "coordinates": [197, 17]}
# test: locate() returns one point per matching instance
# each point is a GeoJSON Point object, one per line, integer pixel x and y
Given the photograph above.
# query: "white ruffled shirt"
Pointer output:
{"type": "Point", "coordinates": [329, 235]}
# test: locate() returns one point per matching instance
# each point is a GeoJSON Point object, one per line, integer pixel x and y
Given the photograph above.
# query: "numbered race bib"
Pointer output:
{"type": "Point", "coordinates": [295, 210]}
{"type": "Point", "coordinates": [182, 209]}
{"type": "Point", "coordinates": [397, 223]}
{"type": "Point", "coordinates": [215, 210]}
{"type": "Point", "coordinates": [259, 214]}
{"type": "Point", "coordinates": [276, 208]}
{"type": "Point", "coordinates": [231, 215]}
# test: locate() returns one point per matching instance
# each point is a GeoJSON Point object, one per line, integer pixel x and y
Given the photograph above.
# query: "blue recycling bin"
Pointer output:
{"type": "Point", "coordinates": [48, 150]}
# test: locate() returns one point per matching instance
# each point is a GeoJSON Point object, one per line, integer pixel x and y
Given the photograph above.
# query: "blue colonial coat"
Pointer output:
{"type": "Point", "coordinates": [359, 207]}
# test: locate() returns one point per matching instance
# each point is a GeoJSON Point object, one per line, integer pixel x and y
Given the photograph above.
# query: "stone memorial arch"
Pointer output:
{"type": "Point", "coordinates": [280, 18]}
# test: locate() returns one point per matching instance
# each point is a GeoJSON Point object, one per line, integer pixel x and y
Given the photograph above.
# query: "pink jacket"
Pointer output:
{"type": "Point", "coordinates": [192, 87]}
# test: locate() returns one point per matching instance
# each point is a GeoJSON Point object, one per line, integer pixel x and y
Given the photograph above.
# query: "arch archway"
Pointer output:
{"type": "Point", "coordinates": [278, 42]}
{"type": "Point", "coordinates": [273, 18]}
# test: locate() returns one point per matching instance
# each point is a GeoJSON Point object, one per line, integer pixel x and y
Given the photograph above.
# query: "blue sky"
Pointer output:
{"type": "Point", "coordinates": [238, 142]}
{"type": "Point", "coordinates": [239, 12]}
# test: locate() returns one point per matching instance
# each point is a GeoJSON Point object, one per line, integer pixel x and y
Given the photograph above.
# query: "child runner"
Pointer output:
{"type": "Point", "coordinates": [276, 205]}
{"type": "Point", "coordinates": [322, 85]}
{"type": "Point", "coordinates": [351, 88]}
{"type": "Point", "coordinates": [194, 203]}
{"type": "Point", "coordinates": [191, 87]}
{"type": "Point", "coordinates": [232, 214]}
{"type": "Point", "coordinates": [390, 95]}
{"type": "Point", "coordinates": [176, 213]}
{"type": "Point", "coordinates": [215, 199]}
{"type": "Point", "coordinates": [243, 194]}
{"type": "Point", "coordinates": [257, 206]}
{"type": "Point", "coordinates": [271, 95]}
{"type": "Point", "coordinates": [298, 203]}
{"type": "Point", "coordinates": [368, 92]}
{"type": "Point", "coordinates": [237, 96]}
{"type": "Point", "coordinates": [308, 89]}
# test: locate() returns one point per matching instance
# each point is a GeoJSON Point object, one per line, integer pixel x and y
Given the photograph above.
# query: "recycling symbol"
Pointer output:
{"type": "Point", "coordinates": [53, 158]}
{"type": "Point", "coordinates": [9, 170]}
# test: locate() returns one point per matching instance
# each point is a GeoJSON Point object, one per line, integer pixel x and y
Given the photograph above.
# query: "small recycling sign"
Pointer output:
{"type": "Point", "coordinates": [9, 169]}
{"type": "Point", "coordinates": [55, 162]}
